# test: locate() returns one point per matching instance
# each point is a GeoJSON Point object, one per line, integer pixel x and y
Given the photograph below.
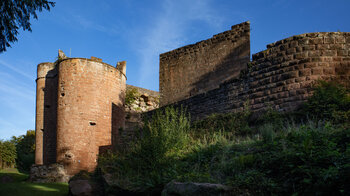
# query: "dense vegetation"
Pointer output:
{"type": "Point", "coordinates": [18, 152]}
{"type": "Point", "coordinates": [307, 152]}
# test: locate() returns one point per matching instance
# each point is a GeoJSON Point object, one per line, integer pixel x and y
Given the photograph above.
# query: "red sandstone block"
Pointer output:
{"type": "Point", "coordinates": [315, 53]}
{"type": "Point", "coordinates": [317, 71]}
{"type": "Point", "coordinates": [329, 40]}
{"type": "Point", "coordinates": [277, 89]}
{"type": "Point", "coordinates": [300, 79]}
{"type": "Point", "coordinates": [340, 40]}
{"type": "Point", "coordinates": [300, 55]}
{"type": "Point", "coordinates": [336, 46]}
{"type": "Point", "coordinates": [337, 58]}
{"type": "Point", "coordinates": [322, 46]}
{"type": "Point", "coordinates": [305, 72]}
{"type": "Point", "coordinates": [328, 53]}
{"type": "Point", "coordinates": [291, 51]}
{"type": "Point", "coordinates": [329, 70]}
{"type": "Point", "coordinates": [317, 40]}
{"type": "Point", "coordinates": [293, 44]}
{"type": "Point", "coordinates": [310, 79]}
{"type": "Point", "coordinates": [316, 59]}
{"type": "Point", "coordinates": [342, 53]}
{"type": "Point", "coordinates": [309, 47]}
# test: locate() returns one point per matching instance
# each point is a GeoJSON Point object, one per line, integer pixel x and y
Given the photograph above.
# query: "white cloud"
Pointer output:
{"type": "Point", "coordinates": [17, 102]}
{"type": "Point", "coordinates": [13, 68]}
{"type": "Point", "coordinates": [110, 29]}
{"type": "Point", "coordinates": [168, 31]}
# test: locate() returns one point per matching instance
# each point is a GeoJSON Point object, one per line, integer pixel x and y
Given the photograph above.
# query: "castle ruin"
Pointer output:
{"type": "Point", "coordinates": [80, 102]}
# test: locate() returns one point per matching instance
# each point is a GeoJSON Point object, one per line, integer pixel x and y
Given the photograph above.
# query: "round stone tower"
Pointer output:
{"type": "Point", "coordinates": [79, 111]}
{"type": "Point", "coordinates": [90, 110]}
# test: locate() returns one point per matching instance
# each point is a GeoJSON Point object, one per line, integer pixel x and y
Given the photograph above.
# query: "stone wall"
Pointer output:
{"type": "Point", "coordinates": [197, 68]}
{"type": "Point", "coordinates": [280, 77]}
{"type": "Point", "coordinates": [145, 100]}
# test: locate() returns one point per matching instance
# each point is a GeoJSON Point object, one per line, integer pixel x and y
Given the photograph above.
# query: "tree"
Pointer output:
{"type": "Point", "coordinates": [15, 14]}
{"type": "Point", "coordinates": [7, 154]}
{"type": "Point", "coordinates": [25, 146]}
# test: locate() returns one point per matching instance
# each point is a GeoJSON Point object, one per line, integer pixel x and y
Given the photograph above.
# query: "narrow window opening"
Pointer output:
{"type": "Point", "coordinates": [92, 123]}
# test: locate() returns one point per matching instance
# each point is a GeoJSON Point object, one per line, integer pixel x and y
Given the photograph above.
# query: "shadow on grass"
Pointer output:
{"type": "Point", "coordinates": [19, 186]}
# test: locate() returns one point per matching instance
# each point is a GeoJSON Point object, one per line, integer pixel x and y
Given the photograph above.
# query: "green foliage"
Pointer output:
{"type": "Point", "coordinates": [7, 154]}
{"type": "Point", "coordinates": [16, 14]}
{"type": "Point", "coordinates": [231, 124]}
{"type": "Point", "coordinates": [25, 146]}
{"type": "Point", "coordinates": [131, 95]}
{"type": "Point", "coordinates": [329, 101]}
{"type": "Point", "coordinates": [152, 160]}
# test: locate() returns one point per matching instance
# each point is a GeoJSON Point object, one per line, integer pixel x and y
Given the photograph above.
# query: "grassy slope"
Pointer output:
{"type": "Point", "coordinates": [19, 186]}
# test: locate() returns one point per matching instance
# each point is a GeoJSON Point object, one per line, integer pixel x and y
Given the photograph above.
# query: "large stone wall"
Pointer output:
{"type": "Point", "coordinates": [280, 77]}
{"type": "Point", "coordinates": [197, 68]}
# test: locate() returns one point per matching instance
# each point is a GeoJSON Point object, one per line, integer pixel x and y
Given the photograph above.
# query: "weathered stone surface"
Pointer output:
{"type": "Point", "coordinates": [61, 55]}
{"type": "Point", "coordinates": [196, 189]}
{"type": "Point", "coordinates": [145, 100]}
{"type": "Point", "coordinates": [281, 77]}
{"type": "Point", "coordinates": [48, 173]}
{"type": "Point", "coordinates": [203, 66]}
{"type": "Point", "coordinates": [80, 188]}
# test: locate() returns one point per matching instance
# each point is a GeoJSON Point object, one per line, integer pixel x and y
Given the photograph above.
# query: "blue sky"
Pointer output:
{"type": "Point", "coordinates": [138, 31]}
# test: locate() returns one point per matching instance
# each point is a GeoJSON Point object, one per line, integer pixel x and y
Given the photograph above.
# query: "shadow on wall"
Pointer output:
{"type": "Point", "coordinates": [50, 117]}
{"type": "Point", "coordinates": [342, 74]}
{"type": "Point", "coordinates": [117, 124]}
{"type": "Point", "coordinates": [228, 68]}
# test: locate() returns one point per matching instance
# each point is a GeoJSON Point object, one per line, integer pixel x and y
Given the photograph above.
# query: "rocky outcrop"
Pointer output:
{"type": "Point", "coordinates": [138, 100]}
{"type": "Point", "coordinates": [48, 173]}
{"type": "Point", "coordinates": [196, 189]}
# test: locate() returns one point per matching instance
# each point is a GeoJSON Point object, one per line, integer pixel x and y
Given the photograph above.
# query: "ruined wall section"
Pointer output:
{"type": "Point", "coordinates": [280, 77]}
{"type": "Point", "coordinates": [198, 68]}
{"type": "Point", "coordinates": [45, 120]}
{"type": "Point", "coordinates": [90, 110]}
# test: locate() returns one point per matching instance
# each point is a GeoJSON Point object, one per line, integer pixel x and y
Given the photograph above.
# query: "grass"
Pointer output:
{"type": "Point", "coordinates": [19, 185]}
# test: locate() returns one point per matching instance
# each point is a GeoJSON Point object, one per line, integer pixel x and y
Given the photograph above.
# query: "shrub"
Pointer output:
{"type": "Point", "coordinates": [232, 124]}
{"type": "Point", "coordinates": [25, 147]}
{"type": "Point", "coordinates": [131, 95]}
{"type": "Point", "coordinates": [330, 101]}
{"type": "Point", "coordinates": [152, 159]}
{"type": "Point", "coordinates": [7, 154]}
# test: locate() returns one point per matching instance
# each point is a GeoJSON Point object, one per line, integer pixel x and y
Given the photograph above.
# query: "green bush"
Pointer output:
{"type": "Point", "coordinates": [330, 101]}
{"type": "Point", "coordinates": [152, 159]}
{"type": "Point", "coordinates": [7, 154]}
{"type": "Point", "coordinates": [232, 124]}
{"type": "Point", "coordinates": [131, 95]}
{"type": "Point", "coordinates": [25, 147]}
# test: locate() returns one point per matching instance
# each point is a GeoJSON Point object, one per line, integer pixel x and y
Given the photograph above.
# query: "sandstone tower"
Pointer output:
{"type": "Point", "coordinates": [79, 109]}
